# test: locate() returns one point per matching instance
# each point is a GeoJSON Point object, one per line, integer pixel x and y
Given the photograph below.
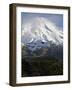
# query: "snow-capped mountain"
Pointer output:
{"type": "Point", "coordinates": [41, 33]}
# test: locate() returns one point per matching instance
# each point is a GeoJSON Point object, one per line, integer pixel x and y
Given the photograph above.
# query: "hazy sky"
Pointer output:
{"type": "Point", "coordinates": [55, 18]}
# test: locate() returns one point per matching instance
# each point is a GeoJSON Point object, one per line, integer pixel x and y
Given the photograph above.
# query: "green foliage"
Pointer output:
{"type": "Point", "coordinates": [41, 67]}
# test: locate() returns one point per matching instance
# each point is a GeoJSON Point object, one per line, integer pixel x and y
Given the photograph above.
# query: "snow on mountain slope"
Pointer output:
{"type": "Point", "coordinates": [41, 30]}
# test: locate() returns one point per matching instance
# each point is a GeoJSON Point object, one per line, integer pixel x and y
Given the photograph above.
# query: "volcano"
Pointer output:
{"type": "Point", "coordinates": [41, 32]}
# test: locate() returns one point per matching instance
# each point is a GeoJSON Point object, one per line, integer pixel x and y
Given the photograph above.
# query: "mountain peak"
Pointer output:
{"type": "Point", "coordinates": [42, 30]}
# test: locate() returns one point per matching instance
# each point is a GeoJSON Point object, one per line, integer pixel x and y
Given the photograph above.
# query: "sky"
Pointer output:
{"type": "Point", "coordinates": [55, 18]}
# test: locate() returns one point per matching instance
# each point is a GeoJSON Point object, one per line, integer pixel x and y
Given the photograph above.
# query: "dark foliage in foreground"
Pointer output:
{"type": "Point", "coordinates": [41, 66]}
